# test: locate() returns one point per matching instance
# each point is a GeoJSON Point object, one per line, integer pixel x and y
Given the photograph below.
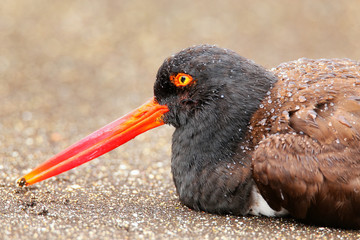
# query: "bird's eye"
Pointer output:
{"type": "Point", "coordinates": [181, 79]}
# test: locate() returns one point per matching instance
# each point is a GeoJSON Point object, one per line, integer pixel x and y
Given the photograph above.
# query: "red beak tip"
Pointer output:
{"type": "Point", "coordinates": [21, 182]}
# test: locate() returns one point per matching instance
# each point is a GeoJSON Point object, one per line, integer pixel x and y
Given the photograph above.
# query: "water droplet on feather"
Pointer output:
{"type": "Point", "coordinates": [302, 99]}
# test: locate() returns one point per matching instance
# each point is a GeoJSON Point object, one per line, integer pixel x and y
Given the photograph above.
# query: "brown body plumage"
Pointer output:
{"type": "Point", "coordinates": [307, 138]}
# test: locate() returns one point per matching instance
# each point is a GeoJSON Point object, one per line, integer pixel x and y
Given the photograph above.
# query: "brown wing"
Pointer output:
{"type": "Point", "coordinates": [308, 158]}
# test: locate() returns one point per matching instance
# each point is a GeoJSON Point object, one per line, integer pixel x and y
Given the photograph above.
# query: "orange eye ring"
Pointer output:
{"type": "Point", "coordinates": [181, 79]}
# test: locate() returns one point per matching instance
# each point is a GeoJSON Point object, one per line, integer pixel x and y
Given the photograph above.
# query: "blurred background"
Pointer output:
{"type": "Point", "coordinates": [75, 59]}
{"type": "Point", "coordinates": [60, 57]}
{"type": "Point", "coordinates": [68, 67]}
{"type": "Point", "coordinates": [106, 53]}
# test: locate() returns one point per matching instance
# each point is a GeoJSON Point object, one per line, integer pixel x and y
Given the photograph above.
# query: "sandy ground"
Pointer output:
{"type": "Point", "coordinates": [69, 67]}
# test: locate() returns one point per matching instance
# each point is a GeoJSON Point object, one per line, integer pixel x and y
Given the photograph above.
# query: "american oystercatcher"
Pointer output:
{"type": "Point", "coordinates": [248, 140]}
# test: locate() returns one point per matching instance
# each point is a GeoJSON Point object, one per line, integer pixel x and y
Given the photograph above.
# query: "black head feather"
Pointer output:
{"type": "Point", "coordinates": [223, 80]}
{"type": "Point", "coordinates": [211, 116]}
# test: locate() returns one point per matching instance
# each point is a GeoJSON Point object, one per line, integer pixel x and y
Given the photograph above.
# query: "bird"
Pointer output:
{"type": "Point", "coordinates": [248, 140]}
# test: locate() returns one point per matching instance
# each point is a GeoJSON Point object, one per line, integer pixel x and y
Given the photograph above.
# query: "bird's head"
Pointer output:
{"type": "Point", "coordinates": [203, 81]}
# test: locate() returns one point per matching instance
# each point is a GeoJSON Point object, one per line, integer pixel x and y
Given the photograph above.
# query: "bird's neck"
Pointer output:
{"type": "Point", "coordinates": [210, 162]}
{"type": "Point", "coordinates": [210, 166]}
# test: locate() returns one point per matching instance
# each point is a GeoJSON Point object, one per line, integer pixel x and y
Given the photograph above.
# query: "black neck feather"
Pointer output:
{"type": "Point", "coordinates": [210, 169]}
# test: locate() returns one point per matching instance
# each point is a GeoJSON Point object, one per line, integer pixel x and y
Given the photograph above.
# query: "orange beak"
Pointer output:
{"type": "Point", "coordinates": [144, 118]}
